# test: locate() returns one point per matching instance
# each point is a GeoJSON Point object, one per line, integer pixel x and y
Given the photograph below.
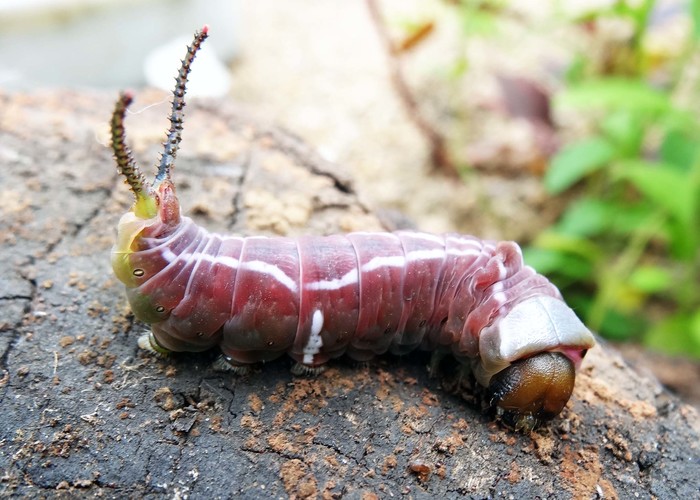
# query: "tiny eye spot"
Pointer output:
{"type": "Point", "coordinates": [387, 330]}
{"type": "Point", "coordinates": [444, 320]}
{"type": "Point", "coordinates": [270, 343]}
{"type": "Point", "coordinates": [138, 272]}
{"type": "Point", "coordinates": [423, 323]}
{"type": "Point", "coordinates": [200, 334]}
{"type": "Point", "coordinates": [160, 309]}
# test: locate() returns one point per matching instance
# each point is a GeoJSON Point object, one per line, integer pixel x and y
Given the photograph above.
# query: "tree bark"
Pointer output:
{"type": "Point", "coordinates": [86, 412]}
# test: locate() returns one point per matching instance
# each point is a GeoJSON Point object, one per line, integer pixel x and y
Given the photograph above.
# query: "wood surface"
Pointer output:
{"type": "Point", "coordinates": [85, 412]}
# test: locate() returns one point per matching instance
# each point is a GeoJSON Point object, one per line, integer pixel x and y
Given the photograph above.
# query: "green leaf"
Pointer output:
{"type": "Point", "coordinates": [675, 335]}
{"type": "Point", "coordinates": [576, 161]}
{"type": "Point", "coordinates": [679, 149]}
{"type": "Point", "coordinates": [684, 243]}
{"type": "Point", "coordinates": [544, 260]}
{"type": "Point", "coordinates": [619, 326]}
{"type": "Point", "coordinates": [629, 217]}
{"type": "Point", "coordinates": [661, 184]}
{"type": "Point", "coordinates": [616, 94]}
{"type": "Point", "coordinates": [680, 119]}
{"type": "Point", "coordinates": [480, 20]}
{"type": "Point", "coordinates": [626, 131]}
{"type": "Point", "coordinates": [548, 262]}
{"type": "Point", "coordinates": [694, 323]}
{"type": "Point", "coordinates": [695, 16]}
{"type": "Point", "coordinates": [581, 247]}
{"type": "Point", "coordinates": [586, 217]}
{"type": "Point", "coordinates": [576, 71]}
{"type": "Point", "coordinates": [638, 12]}
{"type": "Point", "coordinates": [651, 279]}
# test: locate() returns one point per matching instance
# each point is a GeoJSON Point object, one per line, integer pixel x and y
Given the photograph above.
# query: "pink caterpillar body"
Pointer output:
{"type": "Point", "coordinates": [318, 297]}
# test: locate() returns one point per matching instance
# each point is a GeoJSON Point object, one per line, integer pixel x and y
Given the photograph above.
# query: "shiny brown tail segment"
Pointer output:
{"type": "Point", "coordinates": [536, 388]}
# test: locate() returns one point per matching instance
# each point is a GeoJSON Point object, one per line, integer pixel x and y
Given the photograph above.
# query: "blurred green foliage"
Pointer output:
{"type": "Point", "coordinates": [625, 252]}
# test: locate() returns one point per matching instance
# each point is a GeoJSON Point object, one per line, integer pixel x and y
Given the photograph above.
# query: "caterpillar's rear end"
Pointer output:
{"type": "Point", "coordinates": [361, 294]}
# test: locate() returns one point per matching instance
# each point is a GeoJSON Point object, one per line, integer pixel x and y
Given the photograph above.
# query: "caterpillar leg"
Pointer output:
{"type": "Point", "coordinates": [148, 342]}
{"type": "Point", "coordinates": [361, 365]}
{"type": "Point", "coordinates": [436, 358]}
{"type": "Point", "coordinates": [227, 364]}
{"type": "Point", "coordinates": [455, 374]}
{"type": "Point", "coordinates": [300, 369]}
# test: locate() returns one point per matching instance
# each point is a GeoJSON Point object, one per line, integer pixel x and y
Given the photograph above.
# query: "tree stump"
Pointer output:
{"type": "Point", "coordinates": [85, 412]}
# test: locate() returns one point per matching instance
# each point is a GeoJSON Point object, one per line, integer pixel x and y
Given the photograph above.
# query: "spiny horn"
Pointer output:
{"type": "Point", "coordinates": [172, 142]}
{"type": "Point", "coordinates": [122, 154]}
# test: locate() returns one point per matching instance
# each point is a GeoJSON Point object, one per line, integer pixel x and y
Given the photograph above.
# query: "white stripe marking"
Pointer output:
{"type": "Point", "coordinates": [437, 253]}
{"type": "Point", "coordinates": [272, 271]}
{"type": "Point", "coordinates": [227, 261]}
{"type": "Point", "coordinates": [422, 236]}
{"type": "Point", "coordinates": [315, 342]}
{"type": "Point", "coordinates": [349, 278]}
{"type": "Point", "coordinates": [388, 261]}
{"type": "Point", "coordinates": [168, 255]}
{"type": "Point", "coordinates": [257, 266]}
{"type": "Point", "coordinates": [464, 252]}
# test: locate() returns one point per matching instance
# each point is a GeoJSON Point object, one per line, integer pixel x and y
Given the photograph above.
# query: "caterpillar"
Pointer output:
{"type": "Point", "coordinates": [316, 298]}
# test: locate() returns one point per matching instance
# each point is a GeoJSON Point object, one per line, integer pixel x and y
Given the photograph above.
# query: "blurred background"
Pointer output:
{"type": "Point", "coordinates": [571, 127]}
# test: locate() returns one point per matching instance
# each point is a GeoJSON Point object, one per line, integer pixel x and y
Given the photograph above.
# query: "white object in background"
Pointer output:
{"type": "Point", "coordinates": [103, 43]}
{"type": "Point", "coordinates": [209, 78]}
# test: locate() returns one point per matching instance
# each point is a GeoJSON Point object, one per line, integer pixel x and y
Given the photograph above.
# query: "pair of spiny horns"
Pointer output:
{"type": "Point", "coordinates": [125, 160]}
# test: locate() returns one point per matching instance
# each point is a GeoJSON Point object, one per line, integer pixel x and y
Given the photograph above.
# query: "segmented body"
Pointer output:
{"type": "Point", "coordinates": [316, 298]}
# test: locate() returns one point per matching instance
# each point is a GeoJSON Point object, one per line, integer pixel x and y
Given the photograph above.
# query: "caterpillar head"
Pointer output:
{"type": "Point", "coordinates": [529, 359]}
{"type": "Point", "coordinates": [156, 209]}
{"type": "Point", "coordinates": [157, 198]}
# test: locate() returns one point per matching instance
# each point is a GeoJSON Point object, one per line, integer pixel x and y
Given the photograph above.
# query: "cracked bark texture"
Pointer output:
{"type": "Point", "coordinates": [84, 412]}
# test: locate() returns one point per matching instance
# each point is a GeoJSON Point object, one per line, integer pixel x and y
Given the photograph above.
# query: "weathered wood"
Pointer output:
{"type": "Point", "coordinates": [85, 412]}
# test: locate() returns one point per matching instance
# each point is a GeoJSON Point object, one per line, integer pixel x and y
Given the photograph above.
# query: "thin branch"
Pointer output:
{"type": "Point", "coordinates": [440, 158]}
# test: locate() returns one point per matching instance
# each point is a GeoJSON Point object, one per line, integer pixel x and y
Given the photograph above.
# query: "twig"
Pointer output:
{"type": "Point", "coordinates": [440, 158]}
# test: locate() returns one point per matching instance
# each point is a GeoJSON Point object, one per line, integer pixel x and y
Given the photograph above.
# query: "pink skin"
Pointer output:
{"type": "Point", "coordinates": [575, 354]}
{"type": "Point", "coordinates": [316, 298]}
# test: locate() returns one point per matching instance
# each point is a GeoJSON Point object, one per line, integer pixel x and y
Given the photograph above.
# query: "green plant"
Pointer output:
{"type": "Point", "coordinates": [626, 251]}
